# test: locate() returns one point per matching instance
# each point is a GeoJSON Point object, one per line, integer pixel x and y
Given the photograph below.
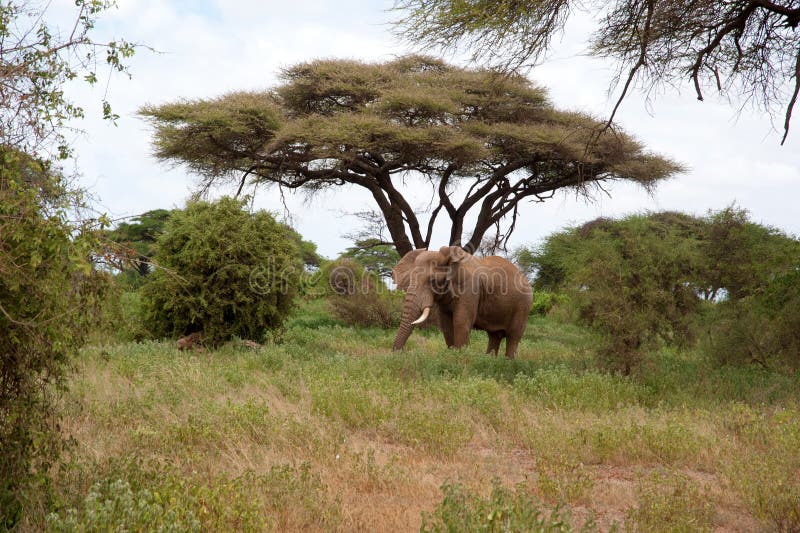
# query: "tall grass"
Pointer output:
{"type": "Point", "coordinates": [325, 428]}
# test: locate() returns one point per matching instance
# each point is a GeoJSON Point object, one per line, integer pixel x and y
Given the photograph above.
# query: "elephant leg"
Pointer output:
{"type": "Point", "coordinates": [494, 342]}
{"type": "Point", "coordinates": [446, 325]}
{"type": "Point", "coordinates": [512, 342]}
{"type": "Point", "coordinates": [463, 319]}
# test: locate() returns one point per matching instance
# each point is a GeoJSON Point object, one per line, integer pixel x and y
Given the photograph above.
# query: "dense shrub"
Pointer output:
{"type": "Point", "coordinates": [343, 276]}
{"type": "Point", "coordinates": [642, 280]}
{"type": "Point", "coordinates": [632, 282]}
{"type": "Point", "coordinates": [223, 271]}
{"type": "Point", "coordinates": [381, 309]}
{"type": "Point", "coordinates": [46, 286]}
{"type": "Point", "coordinates": [282, 498]}
{"type": "Point", "coordinates": [742, 257]}
{"type": "Point", "coordinates": [114, 506]}
{"type": "Point", "coordinates": [762, 328]}
{"type": "Point", "coordinates": [123, 322]}
{"type": "Point", "coordinates": [359, 297]}
{"type": "Point", "coordinates": [545, 301]}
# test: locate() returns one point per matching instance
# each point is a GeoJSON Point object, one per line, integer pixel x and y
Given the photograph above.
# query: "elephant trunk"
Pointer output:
{"type": "Point", "coordinates": [413, 313]}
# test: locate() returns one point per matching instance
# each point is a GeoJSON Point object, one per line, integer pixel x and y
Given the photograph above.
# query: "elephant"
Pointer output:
{"type": "Point", "coordinates": [467, 292]}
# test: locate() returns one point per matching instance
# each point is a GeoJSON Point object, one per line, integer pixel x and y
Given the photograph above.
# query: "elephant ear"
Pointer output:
{"type": "Point", "coordinates": [401, 273]}
{"type": "Point", "coordinates": [454, 254]}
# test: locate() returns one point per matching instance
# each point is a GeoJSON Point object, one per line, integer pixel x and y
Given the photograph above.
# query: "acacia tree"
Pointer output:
{"type": "Point", "coordinates": [482, 143]}
{"type": "Point", "coordinates": [745, 48]}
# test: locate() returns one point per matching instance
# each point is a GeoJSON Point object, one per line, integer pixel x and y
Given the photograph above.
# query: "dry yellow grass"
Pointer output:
{"type": "Point", "coordinates": [370, 437]}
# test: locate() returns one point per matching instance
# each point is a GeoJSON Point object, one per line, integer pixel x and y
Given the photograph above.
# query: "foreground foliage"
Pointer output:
{"type": "Point", "coordinates": [48, 294]}
{"type": "Point", "coordinates": [746, 48]}
{"type": "Point", "coordinates": [47, 287]}
{"type": "Point", "coordinates": [504, 510]}
{"type": "Point", "coordinates": [286, 497]}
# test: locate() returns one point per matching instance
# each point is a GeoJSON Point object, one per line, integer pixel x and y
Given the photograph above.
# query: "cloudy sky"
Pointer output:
{"type": "Point", "coordinates": [209, 47]}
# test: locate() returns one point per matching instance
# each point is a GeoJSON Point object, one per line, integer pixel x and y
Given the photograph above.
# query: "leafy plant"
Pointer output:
{"type": "Point", "coordinates": [632, 282]}
{"type": "Point", "coordinates": [545, 301]}
{"type": "Point", "coordinates": [503, 510]}
{"type": "Point", "coordinates": [645, 279]}
{"type": "Point", "coordinates": [37, 60]}
{"type": "Point", "coordinates": [160, 499]}
{"type": "Point", "coordinates": [114, 506]}
{"type": "Point", "coordinates": [47, 290]}
{"type": "Point", "coordinates": [222, 271]}
{"type": "Point", "coordinates": [671, 502]}
{"type": "Point", "coordinates": [563, 481]}
{"type": "Point", "coordinates": [358, 297]}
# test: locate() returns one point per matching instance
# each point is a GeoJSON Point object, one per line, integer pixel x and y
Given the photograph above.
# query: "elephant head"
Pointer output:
{"type": "Point", "coordinates": [426, 276]}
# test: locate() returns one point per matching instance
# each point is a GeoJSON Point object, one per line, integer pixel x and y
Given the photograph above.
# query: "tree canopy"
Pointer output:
{"type": "Point", "coordinates": [374, 256]}
{"type": "Point", "coordinates": [744, 48]}
{"type": "Point", "coordinates": [482, 143]}
{"type": "Point", "coordinates": [138, 239]}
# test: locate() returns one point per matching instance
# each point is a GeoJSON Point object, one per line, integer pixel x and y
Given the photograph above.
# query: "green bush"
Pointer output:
{"type": "Point", "coordinates": [49, 300]}
{"type": "Point", "coordinates": [763, 328]}
{"type": "Point", "coordinates": [223, 271]}
{"type": "Point", "coordinates": [503, 510]}
{"type": "Point", "coordinates": [743, 257]}
{"type": "Point", "coordinates": [671, 502]}
{"type": "Point", "coordinates": [114, 506]}
{"type": "Point", "coordinates": [546, 301]}
{"type": "Point", "coordinates": [282, 498]}
{"type": "Point", "coordinates": [358, 297]}
{"type": "Point", "coordinates": [781, 304]}
{"type": "Point", "coordinates": [649, 279]}
{"type": "Point", "coordinates": [380, 309]}
{"type": "Point", "coordinates": [632, 283]}
{"type": "Point", "coordinates": [736, 334]}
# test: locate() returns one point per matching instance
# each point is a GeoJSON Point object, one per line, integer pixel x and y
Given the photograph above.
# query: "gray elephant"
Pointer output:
{"type": "Point", "coordinates": [466, 292]}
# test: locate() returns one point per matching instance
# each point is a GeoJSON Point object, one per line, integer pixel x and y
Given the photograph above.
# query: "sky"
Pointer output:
{"type": "Point", "coordinates": [205, 48]}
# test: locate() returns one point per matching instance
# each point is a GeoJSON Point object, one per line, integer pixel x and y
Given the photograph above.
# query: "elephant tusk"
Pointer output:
{"type": "Point", "coordinates": [423, 316]}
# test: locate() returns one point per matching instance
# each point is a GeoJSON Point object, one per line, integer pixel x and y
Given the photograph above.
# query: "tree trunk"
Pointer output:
{"type": "Point", "coordinates": [456, 230]}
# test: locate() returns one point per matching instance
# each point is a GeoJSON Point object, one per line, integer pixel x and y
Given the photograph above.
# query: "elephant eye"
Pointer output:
{"type": "Point", "coordinates": [439, 283]}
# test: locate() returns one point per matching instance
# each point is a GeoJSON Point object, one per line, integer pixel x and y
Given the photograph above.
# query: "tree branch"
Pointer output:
{"type": "Point", "coordinates": [793, 100]}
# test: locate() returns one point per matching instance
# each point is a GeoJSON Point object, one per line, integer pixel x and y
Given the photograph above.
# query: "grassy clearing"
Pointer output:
{"type": "Point", "coordinates": [327, 429]}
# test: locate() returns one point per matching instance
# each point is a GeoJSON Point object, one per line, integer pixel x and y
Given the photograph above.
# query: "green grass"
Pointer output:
{"type": "Point", "coordinates": [330, 419]}
{"type": "Point", "coordinates": [671, 502]}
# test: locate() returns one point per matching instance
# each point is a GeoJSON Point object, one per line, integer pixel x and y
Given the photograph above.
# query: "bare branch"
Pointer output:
{"type": "Point", "coordinates": [793, 100]}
